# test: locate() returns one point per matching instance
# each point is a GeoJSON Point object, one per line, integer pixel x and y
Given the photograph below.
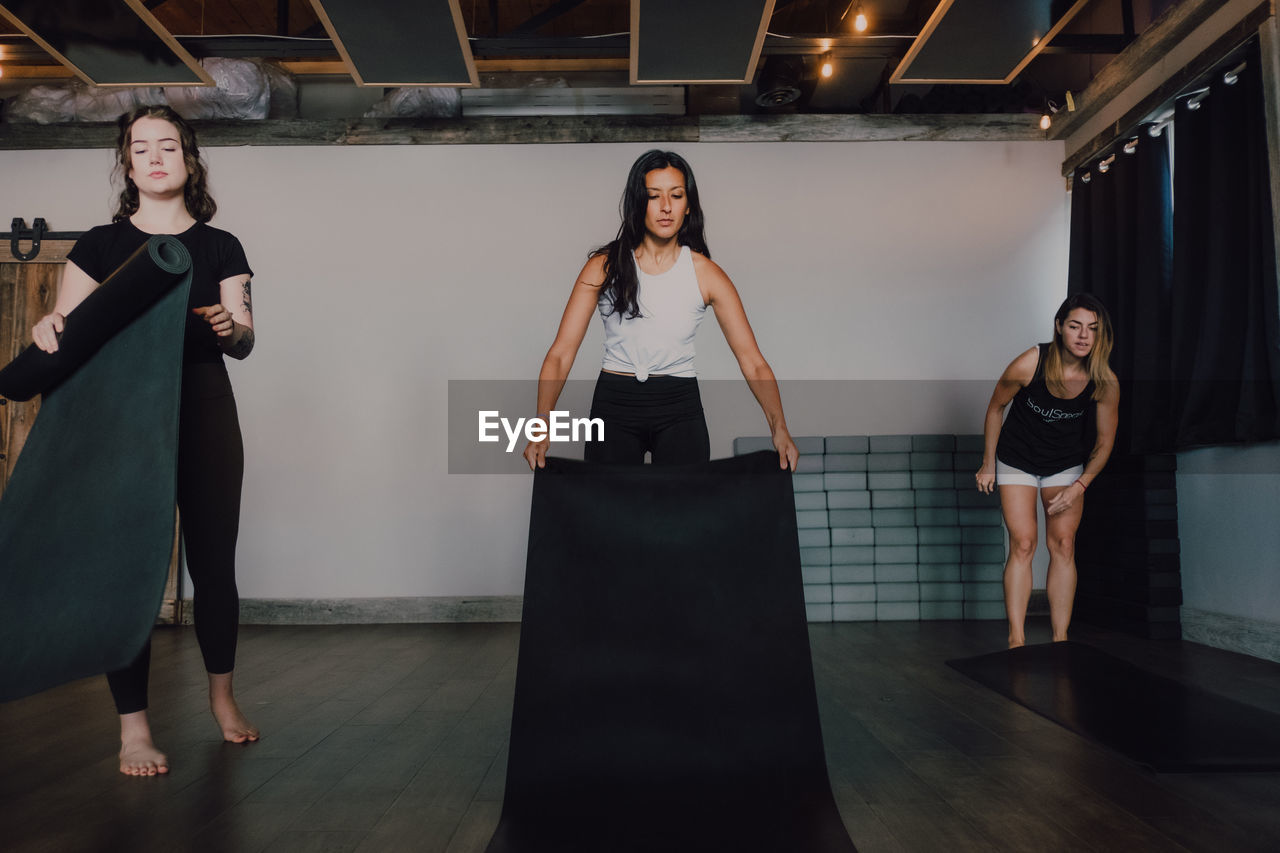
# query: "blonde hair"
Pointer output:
{"type": "Point", "coordinates": [1097, 363]}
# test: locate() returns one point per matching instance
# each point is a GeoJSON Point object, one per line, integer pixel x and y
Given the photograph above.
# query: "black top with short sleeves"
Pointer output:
{"type": "Point", "coordinates": [1044, 434]}
{"type": "Point", "coordinates": [215, 255]}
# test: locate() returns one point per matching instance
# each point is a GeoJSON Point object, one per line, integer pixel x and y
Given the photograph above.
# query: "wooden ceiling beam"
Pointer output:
{"type": "Point", "coordinates": [1146, 52]}
{"type": "Point", "coordinates": [556, 130]}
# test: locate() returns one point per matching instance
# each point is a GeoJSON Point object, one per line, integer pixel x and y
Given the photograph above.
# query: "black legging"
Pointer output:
{"type": "Point", "coordinates": [210, 470]}
{"type": "Point", "coordinates": [662, 415]}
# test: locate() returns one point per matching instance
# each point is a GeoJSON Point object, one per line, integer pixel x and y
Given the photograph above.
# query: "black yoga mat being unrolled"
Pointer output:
{"type": "Point", "coordinates": [1156, 721]}
{"type": "Point", "coordinates": [664, 693]}
{"type": "Point", "coordinates": [87, 518]}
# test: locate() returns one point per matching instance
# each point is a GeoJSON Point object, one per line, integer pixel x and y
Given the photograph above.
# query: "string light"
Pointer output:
{"type": "Point", "coordinates": [859, 17]}
{"type": "Point", "coordinates": [827, 67]}
{"type": "Point", "coordinates": [1046, 119]}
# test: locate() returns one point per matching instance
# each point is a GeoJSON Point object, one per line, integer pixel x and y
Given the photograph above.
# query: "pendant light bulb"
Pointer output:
{"type": "Point", "coordinates": [1045, 121]}
{"type": "Point", "coordinates": [860, 20]}
{"type": "Point", "coordinates": [827, 67]}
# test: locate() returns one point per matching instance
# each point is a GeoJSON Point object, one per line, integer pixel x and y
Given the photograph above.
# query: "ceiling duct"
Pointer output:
{"type": "Point", "coordinates": [780, 81]}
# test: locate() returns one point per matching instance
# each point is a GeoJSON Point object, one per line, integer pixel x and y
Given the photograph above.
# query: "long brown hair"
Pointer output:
{"type": "Point", "coordinates": [621, 284]}
{"type": "Point", "coordinates": [1096, 363]}
{"type": "Point", "coordinates": [200, 204]}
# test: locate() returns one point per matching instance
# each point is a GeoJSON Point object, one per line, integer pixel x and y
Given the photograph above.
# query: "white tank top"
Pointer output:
{"type": "Point", "coordinates": [660, 341]}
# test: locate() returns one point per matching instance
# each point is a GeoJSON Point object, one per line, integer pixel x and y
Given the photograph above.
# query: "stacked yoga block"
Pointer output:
{"type": "Point", "coordinates": [892, 528]}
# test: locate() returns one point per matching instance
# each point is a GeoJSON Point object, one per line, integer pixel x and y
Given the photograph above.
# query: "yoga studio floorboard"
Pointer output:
{"type": "Point", "coordinates": [392, 738]}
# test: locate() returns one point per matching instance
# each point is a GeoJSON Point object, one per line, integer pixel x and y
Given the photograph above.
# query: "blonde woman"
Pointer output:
{"type": "Point", "coordinates": [1042, 448]}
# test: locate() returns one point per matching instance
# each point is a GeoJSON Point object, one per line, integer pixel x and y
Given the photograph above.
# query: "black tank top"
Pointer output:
{"type": "Point", "coordinates": [1044, 434]}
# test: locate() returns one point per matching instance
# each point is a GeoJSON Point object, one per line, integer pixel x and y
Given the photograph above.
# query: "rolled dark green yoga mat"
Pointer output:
{"type": "Point", "coordinates": [86, 521]}
{"type": "Point", "coordinates": [664, 693]}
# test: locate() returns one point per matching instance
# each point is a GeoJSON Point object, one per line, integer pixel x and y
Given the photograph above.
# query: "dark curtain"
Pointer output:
{"type": "Point", "coordinates": [1225, 356]}
{"type": "Point", "coordinates": [1189, 275]}
{"type": "Point", "coordinates": [1121, 252]}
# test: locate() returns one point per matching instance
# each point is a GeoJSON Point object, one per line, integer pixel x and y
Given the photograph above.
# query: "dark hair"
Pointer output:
{"type": "Point", "coordinates": [196, 192]}
{"type": "Point", "coordinates": [1097, 364]}
{"type": "Point", "coordinates": [621, 284]}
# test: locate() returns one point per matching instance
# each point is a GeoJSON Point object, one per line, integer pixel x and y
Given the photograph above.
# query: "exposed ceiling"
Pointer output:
{"type": "Point", "coordinates": [1068, 42]}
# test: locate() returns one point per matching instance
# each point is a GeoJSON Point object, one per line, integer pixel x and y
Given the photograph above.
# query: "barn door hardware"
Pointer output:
{"type": "Point", "coordinates": [36, 233]}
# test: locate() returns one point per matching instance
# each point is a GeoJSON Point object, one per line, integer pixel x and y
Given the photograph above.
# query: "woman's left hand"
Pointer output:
{"type": "Point", "coordinates": [788, 455]}
{"type": "Point", "coordinates": [1065, 499]}
{"type": "Point", "coordinates": [218, 318]}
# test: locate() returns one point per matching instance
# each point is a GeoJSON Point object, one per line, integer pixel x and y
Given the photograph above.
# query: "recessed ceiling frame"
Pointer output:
{"type": "Point", "coordinates": [464, 47]}
{"type": "Point", "coordinates": [935, 21]}
{"type": "Point", "coordinates": [139, 8]}
{"type": "Point", "coordinates": [752, 61]}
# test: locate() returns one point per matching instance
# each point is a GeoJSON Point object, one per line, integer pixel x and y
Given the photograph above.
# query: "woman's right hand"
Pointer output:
{"type": "Point", "coordinates": [986, 478]}
{"type": "Point", "coordinates": [45, 332]}
{"type": "Point", "coordinates": [535, 453]}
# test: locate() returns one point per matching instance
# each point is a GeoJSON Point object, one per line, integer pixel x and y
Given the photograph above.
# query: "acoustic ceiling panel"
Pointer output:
{"type": "Point", "coordinates": [107, 42]}
{"type": "Point", "coordinates": [401, 42]}
{"type": "Point", "coordinates": [710, 41]}
{"type": "Point", "coordinates": [983, 41]}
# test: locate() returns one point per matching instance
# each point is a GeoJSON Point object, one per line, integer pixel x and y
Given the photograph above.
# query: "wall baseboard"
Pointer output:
{"type": "Point", "coordinates": [373, 611]}
{"type": "Point", "coordinates": [1233, 633]}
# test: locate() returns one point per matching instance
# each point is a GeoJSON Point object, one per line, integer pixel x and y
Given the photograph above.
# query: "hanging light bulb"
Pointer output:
{"type": "Point", "coordinates": [860, 20]}
{"type": "Point", "coordinates": [1045, 121]}
{"type": "Point", "coordinates": [827, 67]}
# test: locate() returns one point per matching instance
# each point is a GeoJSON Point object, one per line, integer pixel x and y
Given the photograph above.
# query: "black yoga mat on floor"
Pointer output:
{"type": "Point", "coordinates": [1155, 721]}
{"type": "Point", "coordinates": [86, 520]}
{"type": "Point", "coordinates": [664, 696]}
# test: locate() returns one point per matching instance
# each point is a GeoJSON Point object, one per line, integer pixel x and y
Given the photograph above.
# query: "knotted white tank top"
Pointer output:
{"type": "Point", "coordinates": [660, 341]}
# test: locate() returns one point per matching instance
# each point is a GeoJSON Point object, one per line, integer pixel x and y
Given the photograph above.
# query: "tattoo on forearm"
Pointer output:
{"type": "Point", "coordinates": [243, 346]}
{"type": "Point", "coordinates": [246, 300]}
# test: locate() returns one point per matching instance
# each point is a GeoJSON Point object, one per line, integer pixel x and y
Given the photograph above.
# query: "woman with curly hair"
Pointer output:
{"type": "Point", "coordinates": [165, 192]}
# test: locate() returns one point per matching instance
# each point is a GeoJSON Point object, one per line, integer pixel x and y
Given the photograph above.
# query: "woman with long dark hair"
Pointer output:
{"type": "Point", "coordinates": [652, 285]}
{"type": "Point", "coordinates": [165, 192]}
{"type": "Point", "coordinates": [1042, 447]}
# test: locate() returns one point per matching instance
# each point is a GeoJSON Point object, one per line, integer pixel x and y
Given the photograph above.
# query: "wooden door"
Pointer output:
{"type": "Point", "coordinates": [28, 291]}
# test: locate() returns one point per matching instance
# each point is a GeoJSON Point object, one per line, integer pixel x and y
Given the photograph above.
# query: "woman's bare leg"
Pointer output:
{"type": "Point", "coordinates": [1018, 504]}
{"type": "Point", "coordinates": [1060, 536]}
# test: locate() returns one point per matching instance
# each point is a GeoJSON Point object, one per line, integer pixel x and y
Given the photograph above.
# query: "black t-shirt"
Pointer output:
{"type": "Point", "coordinates": [1044, 434]}
{"type": "Point", "coordinates": [215, 255]}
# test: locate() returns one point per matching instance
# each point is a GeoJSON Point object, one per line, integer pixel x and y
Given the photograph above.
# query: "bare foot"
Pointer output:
{"type": "Point", "coordinates": [1013, 644]}
{"type": "Point", "coordinates": [236, 728]}
{"type": "Point", "coordinates": [138, 753]}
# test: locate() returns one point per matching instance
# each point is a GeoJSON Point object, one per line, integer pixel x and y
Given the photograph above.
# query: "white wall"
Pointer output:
{"type": "Point", "coordinates": [384, 272]}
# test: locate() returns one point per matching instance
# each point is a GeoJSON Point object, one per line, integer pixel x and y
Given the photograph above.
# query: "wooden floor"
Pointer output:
{"type": "Point", "coordinates": [392, 738]}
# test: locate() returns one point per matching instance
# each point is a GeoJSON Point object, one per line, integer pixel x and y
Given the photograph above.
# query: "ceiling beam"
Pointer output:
{"type": "Point", "coordinates": [555, 130]}
{"type": "Point", "coordinates": [1185, 77]}
{"type": "Point", "coordinates": [1147, 52]}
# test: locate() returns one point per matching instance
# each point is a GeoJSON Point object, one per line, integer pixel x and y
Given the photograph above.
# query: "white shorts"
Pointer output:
{"type": "Point", "coordinates": [1007, 475]}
